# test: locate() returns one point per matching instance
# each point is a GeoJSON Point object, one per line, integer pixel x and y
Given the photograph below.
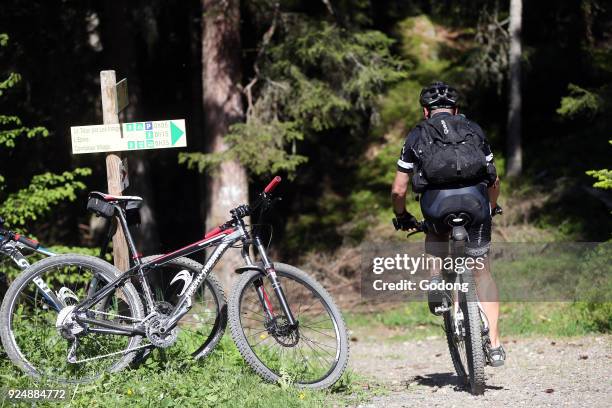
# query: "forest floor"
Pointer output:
{"type": "Point", "coordinates": [539, 371]}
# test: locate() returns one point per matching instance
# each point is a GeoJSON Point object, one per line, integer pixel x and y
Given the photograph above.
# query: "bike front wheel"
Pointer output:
{"type": "Point", "coordinates": [313, 353]}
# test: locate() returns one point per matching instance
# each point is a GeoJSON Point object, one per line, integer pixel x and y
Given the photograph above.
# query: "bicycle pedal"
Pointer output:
{"type": "Point", "coordinates": [441, 309]}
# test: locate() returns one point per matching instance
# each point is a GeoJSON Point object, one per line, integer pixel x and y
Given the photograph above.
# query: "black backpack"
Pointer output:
{"type": "Point", "coordinates": [450, 152]}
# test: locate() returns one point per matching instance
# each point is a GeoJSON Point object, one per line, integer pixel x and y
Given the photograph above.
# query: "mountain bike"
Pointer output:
{"type": "Point", "coordinates": [124, 210]}
{"type": "Point", "coordinates": [284, 323]}
{"type": "Point", "coordinates": [465, 323]}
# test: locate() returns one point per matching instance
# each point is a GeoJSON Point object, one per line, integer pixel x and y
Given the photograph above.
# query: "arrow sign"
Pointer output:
{"type": "Point", "coordinates": [161, 134]}
{"type": "Point", "coordinates": [175, 133]}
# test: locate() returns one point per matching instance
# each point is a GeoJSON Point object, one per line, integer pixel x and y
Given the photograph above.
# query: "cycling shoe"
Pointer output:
{"type": "Point", "coordinates": [436, 297]}
{"type": "Point", "coordinates": [496, 356]}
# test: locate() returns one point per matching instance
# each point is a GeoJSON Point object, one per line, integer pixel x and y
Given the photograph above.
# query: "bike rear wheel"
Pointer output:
{"type": "Point", "coordinates": [313, 355]}
{"type": "Point", "coordinates": [463, 326]}
{"type": "Point", "coordinates": [40, 339]}
{"type": "Point", "coordinates": [201, 329]}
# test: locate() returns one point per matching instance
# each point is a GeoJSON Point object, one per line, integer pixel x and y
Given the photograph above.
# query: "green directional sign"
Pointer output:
{"type": "Point", "coordinates": [159, 134]}
{"type": "Point", "coordinates": [175, 133]}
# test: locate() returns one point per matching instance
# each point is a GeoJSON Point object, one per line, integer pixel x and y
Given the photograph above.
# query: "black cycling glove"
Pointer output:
{"type": "Point", "coordinates": [497, 210]}
{"type": "Point", "coordinates": [405, 221]}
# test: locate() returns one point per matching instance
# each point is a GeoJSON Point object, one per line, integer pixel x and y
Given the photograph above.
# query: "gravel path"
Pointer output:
{"type": "Point", "coordinates": [572, 372]}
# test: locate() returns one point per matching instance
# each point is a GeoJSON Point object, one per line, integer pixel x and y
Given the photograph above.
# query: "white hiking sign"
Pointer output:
{"type": "Point", "coordinates": [159, 134]}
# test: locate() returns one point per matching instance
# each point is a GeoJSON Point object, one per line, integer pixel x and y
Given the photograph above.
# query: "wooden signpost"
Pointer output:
{"type": "Point", "coordinates": [114, 165]}
{"type": "Point", "coordinates": [113, 137]}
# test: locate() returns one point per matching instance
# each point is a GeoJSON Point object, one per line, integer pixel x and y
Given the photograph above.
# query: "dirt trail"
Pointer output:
{"type": "Point", "coordinates": [539, 372]}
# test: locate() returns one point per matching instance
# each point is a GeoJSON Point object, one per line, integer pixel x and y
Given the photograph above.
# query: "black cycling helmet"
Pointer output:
{"type": "Point", "coordinates": [439, 95]}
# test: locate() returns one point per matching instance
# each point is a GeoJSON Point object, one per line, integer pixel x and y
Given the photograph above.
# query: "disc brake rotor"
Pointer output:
{"type": "Point", "coordinates": [283, 333]}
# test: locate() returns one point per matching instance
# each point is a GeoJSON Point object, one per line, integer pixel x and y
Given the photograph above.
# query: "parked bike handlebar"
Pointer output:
{"type": "Point", "coordinates": [12, 236]}
{"type": "Point", "coordinates": [27, 241]}
{"type": "Point", "coordinates": [245, 210]}
{"type": "Point", "coordinates": [272, 184]}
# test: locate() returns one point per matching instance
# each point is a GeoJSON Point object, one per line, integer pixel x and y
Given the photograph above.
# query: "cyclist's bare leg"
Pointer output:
{"type": "Point", "coordinates": [438, 248]}
{"type": "Point", "coordinates": [488, 295]}
{"type": "Point", "coordinates": [493, 192]}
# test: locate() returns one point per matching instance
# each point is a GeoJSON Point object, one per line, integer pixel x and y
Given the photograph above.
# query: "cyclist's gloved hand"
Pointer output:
{"type": "Point", "coordinates": [497, 210]}
{"type": "Point", "coordinates": [405, 221]}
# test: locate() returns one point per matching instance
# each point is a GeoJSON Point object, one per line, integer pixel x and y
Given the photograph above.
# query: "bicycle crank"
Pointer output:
{"type": "Point", "coordinates": [156, 331]}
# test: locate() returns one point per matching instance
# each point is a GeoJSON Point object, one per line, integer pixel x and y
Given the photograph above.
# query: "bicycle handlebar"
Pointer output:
{"type": "Point", "coordinates": [245, 210]}
{"type": "Point", "coordinates": [272, 184]}
{"type": "Point", "coordinates": [27, 241]}
{"type": "Point", "coordinates": [13, 236]}
{"type": "Point", "coordinates": [420, 228]}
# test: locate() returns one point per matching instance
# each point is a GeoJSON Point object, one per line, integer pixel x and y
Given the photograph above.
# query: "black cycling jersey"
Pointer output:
{"type": "Point", "coordinates": [409, 158]}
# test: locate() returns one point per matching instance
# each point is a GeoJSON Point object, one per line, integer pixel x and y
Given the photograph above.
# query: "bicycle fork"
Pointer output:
{"type": "Point", "coordinates": [276, 286]}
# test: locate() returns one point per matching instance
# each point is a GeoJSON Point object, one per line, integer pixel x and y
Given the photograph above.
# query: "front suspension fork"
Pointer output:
{"type": "Point", "coordinates": [278, 290]}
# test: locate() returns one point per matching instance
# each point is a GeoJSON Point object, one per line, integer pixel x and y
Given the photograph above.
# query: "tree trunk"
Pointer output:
{"type": "Point", "coordinates": [514, 163]}
{"type": "Point", "coordinates": [222, 103]}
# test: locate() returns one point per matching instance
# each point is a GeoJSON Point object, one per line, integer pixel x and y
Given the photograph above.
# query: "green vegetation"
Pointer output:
{"type": "Point", "coordinates": [25, 204]}
{"type": "Point", "coordinates": [222, 380]}
{"type": "Point", "coordinates": [314, 77]}
{"type": "Point", "coordinates": [604, 177]}
{"type": "Point", "coordinates": [595, 287]}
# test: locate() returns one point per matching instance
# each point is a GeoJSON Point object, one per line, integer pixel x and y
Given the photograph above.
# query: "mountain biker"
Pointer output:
{"type": "Point", "coordinates": [441, 117]}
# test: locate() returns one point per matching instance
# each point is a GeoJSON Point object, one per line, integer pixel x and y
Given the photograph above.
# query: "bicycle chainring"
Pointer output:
{"type": "Point", "coordinates": [155, 330]}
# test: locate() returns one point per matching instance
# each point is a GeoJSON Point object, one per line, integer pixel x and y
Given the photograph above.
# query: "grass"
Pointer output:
{"type": "Point", "coordinates": [412, 321]}
{"type": "Point", "coordinates": [222, 380]}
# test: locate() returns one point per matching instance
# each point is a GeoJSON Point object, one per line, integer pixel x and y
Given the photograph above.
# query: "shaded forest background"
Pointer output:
{"type": "Point", "coordinates": [336, 91]}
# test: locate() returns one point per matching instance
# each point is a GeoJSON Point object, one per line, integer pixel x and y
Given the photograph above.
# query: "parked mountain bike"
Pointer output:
{"type": "Point", "coordinates": [283, 322]}
{"type": "Point", "coordinates": [465, 323]}
{"type": "Point", "coordinates": [168, 279]}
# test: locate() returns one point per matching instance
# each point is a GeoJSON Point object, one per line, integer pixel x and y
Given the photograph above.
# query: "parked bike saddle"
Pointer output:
{"type": "Point", "coordinates": [447, 209]}
{"type": "Point", "coordinates": [132, 201]}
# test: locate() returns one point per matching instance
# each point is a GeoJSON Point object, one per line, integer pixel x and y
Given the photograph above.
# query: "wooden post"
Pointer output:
{"type": "Point", "coordinates": [108, 82]}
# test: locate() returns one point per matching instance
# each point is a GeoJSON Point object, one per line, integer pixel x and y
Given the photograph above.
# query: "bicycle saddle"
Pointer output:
{"type": "Point", "coordinates": [116, 199]}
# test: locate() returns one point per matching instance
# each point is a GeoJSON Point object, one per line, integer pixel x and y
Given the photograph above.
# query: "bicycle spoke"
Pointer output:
{"type": "Point", "coordinates": [309, 353]}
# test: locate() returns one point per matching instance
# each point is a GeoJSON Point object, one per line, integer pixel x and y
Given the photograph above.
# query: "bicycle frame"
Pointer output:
{"type": "Point", "coordinates": [219, 238]}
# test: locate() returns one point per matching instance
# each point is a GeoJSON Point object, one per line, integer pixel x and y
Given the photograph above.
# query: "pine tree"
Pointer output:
{"type": "Point", "coordinates": [45, 190]}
